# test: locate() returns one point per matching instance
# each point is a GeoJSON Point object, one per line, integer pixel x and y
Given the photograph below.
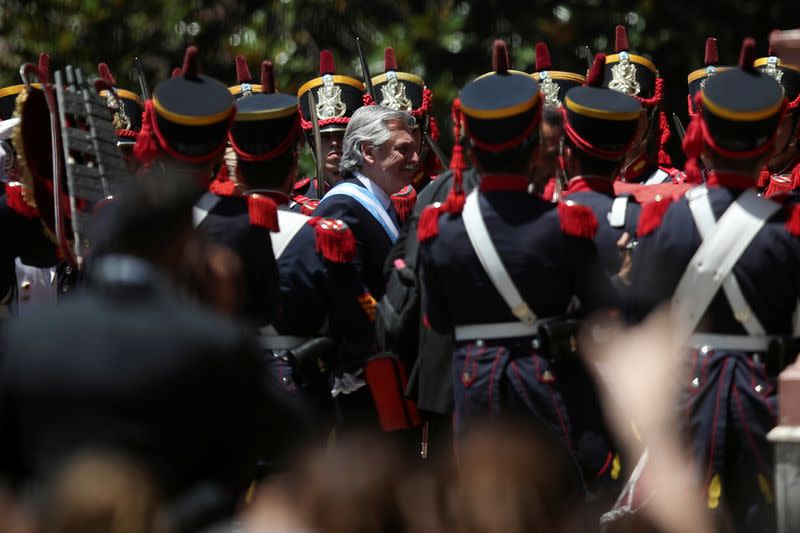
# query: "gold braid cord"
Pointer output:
{"type": "Point", "coordinates": [24, 177]}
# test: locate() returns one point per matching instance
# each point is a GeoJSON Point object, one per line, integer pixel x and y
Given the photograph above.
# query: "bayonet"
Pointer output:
{"type": "Point", "coordinates": [365, 71]}
{"type": "Point", "coordinates": [137, 65]}
{"type": "Point", "coordinates": [312, 109]}
{"type": "Point", "coordinates": [679, 127]}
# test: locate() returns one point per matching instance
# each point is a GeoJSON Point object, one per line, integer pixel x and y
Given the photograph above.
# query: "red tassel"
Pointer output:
{"type": "Point", "coordinates": [577, 220]}
{"type": "Point", "coordinates": [404, 201]}
{"type": "Point", "coordinates": [44, 67]}
{"type": "Point", "coordinates": [542, 57]}
{"type": "Point", "coordinates": [666, 134]}
{"type": "Point", "coordinates": [621, 41]}
{"type": "Point", "coordinates": [795, 175]}
{"type": "Point", "coordinates": [326, 65]}
{"type": "Point", "coordinates": [793, 222]}
{"type": "Point", "coordinates": [428, 225]}
{"type": "Point", "coordinates": [222, 185]}
{"type": "Point", "coordinates": [712, 56]}
{"type": "Point", "coordinates": [389, 60]}
{"type": "Point", "coordinates": [747, 55]}
{"type": "Point", "coordinates": [146, 148]}
{"type": "Point", "coordinates": [763, 178]}
{"type": "Point", "coordinates": [105, 73]}
{"type": "Point", "coordinates": [597, 72]}
{"type": "Point", "coordinates": [16, 202]}
{"type": "Point", "coordinates": [300, 184]}
{"type": "Point", "coordinates": [307, 208]}
{"type": "Point", "coordinates": [263, 212]}
{"type": "Point", "coordinates": [176, 72]}
{"type": "Point", "coordinates": [778, 185]}
{"type": "Point", "coordinates": [500, 59]}
{"type": "Point", "coordinates": [433, 128]}
{"type": "Point", "coordinates": [455, 198]}
{"type": "Point", "coordinates": [242, 70]}
{"type": "Point", "coordinates": [334, 240]}
{"type": "Point", "coordinates": [267, 78]}
{"type": "Point", "coordinates": [652, 215]}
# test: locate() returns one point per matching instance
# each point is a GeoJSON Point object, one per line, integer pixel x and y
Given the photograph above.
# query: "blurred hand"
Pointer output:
{"type": "Point", "coordinates": [625, 252]}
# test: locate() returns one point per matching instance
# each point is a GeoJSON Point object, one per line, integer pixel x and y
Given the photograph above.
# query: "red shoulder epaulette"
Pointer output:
{"type": "Point", "coordinates": [577, 220]}
{"type": "Point", "coordinates": [334, 240]}
{"type": "Point", "coordinates": [428, 224]}
{"type": "Point", "coordinates": [652, 215]}
{"type": "Point", "coordinates": [222, 184]}
{"type": "Point", "coordinates": [300, 184]}
{"type": "Point", "coordinates": [263, 212]}
{"type": "Point", "coordinates": [404, 201]}
{"type": "Point", "coordinates": [16, 201]}
{"type": "Point", "coordinates": [308, 205]}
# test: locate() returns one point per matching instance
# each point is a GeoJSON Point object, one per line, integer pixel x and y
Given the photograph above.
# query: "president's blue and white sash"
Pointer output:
{"type": "Point", "coordinates": [368, 200]}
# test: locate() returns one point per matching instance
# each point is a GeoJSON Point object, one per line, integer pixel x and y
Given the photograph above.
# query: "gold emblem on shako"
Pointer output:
{"type": "Point", "coordinates": [393, 94]}
{"type": "Point", "coordinates": [711, 71]}
{"type": "Point", "coordinates": [771, 69]}
{"type": "Point", "coordinates": [329, 98]}
{"type": "Point", "coordinates": [549, 90]}
{"type": "Point", "coordinates": [623, 76]}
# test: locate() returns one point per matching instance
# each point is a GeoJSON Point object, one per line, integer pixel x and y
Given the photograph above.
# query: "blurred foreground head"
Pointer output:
{"type": "Point", "coordinates": [102, 493]}
{"type": "Point", "coordinates": [509, 482]}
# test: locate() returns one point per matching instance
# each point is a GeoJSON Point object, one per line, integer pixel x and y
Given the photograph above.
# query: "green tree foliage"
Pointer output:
{"type": "Point", "coordinates": [447, 42]}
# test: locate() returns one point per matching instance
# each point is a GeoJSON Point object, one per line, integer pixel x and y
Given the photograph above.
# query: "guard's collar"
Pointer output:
{"type": "Point", "coordinates": [730, 180]}
{"type": "Point", "coordinates": [590, 183]}
{"type": "Point", "coordinates": [504, 182]}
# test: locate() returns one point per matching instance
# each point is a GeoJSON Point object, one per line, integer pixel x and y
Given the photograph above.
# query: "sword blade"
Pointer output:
{"type": "Point", "coordinates": [678, 126]}
{"type": "Point", "coordinates": [365, 71]}
{"type": "Point", "coordinates": [312, 109]}
{"type": "Point", "coordinates": [137, 65]}
{"type": "Point", "coordinates": [437, 151]}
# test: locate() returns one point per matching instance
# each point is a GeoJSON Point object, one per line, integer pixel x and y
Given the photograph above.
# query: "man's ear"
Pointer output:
{"type": "Point", "coordinates": [368, 152]}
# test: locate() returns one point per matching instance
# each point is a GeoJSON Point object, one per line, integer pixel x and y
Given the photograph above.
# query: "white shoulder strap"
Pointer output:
{"type": "Point", "coordinates": [290, 224]}
{"type": "Point", "coordinates": [487, 254]}
{"type": "Point", "coordinates": [659, 176]}
{"type": "Point", "coordinates": [703, 214]}
{"type": "Point", "coordinates": [722, 247]}
{"type": "Point", "coordinates": [365, 197]}
{"type": "Point", "coordinates": [203, 206]}
{"type": "Point", "coordinates": [616, 217]}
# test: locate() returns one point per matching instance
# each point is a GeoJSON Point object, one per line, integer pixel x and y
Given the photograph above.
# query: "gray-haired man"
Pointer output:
{"type": "Point", "coordinates": [379, 158]}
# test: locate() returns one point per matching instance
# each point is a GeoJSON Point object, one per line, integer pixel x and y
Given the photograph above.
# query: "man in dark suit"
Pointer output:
{"type": "Point", "coordinates": [128, 365]}
{"type": "Point", "coordinates": [379, 159]}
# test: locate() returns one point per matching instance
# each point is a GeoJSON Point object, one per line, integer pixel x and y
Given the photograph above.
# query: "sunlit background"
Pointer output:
{"type": "Point", "coordinates": [445, 42]}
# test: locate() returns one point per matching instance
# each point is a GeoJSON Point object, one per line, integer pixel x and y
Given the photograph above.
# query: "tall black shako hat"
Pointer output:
{"type": "Point", "coordinates": [267, 124]}
{"type": "Point", "coordinates": [128, 118]}
{"type": "Point", "coordinates": [787, 75]}
{"type": "Point", "coordinates": [337, 97]}
{"type": "Point", "coordinates": [403, 91]}
{"type": "Point", "coordinates": [697, 79]}
{"type": "Point", "coordinates": [600, 121]}
{"type": "Point", "coordinates": [499, 110]}
{"type": "Point", "coordinates": [632, 74]}
{"type": "Point", "coordinates": [187, 117]}
{"type": "Point", "coordinates": [553, 84]}
{"type": "Point", "coordinates": [244, 81]}
{"type": "Point", "coordinates": [739, 112]}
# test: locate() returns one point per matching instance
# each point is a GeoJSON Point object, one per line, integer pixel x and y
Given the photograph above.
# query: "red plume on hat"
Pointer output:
{"type": "Point", "coordinates": [389, 60]}
{"type": "Point", "coordinates": [542, 57]}
{"type": "Point", "coordinates": [597, 72]}
{"type": "Point", "coordinates": [326, 65]}
{"type": "Point", "coordinates": [772, 34]}
{"type": "Point", "coordinates": [712, 56]}
{"type": "Point", "coordinates": [176, 72]}
{"type": "Point", "coordinates": [621, 40]}
{"type": "Point", "coordinates": [500, 59]}
{"type": "Point", "coordinates": [190, 65]}
{"type": "Point", "coordinates": [267, 77]}
{"type": "Point", "coordinates": [105, 74]}
{"type": "Point", "coordinates": [242, 71]}
{"type": "Point", "coordinates": [747, 55]}
{"type": "Point", "coordinates": [44, 67]}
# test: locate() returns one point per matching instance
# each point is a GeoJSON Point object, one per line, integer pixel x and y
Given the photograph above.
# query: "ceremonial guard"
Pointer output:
{"type": "Point", "coordinates": [28, 253]}
{"type": "Point", "coordinates": [553, 84]}
{"type": "Point", "coordinates": [735, 311]}
{"type": "Point", "coordinates": [403, 91]}
{"type": "Point", "coordinates": [322, 296]}
{"type": "Point", "coordinates": [185, 129]}
{"type": "Point", "coordinates": [600, 126]}
{"type": "Point", "coordinates": [498, 266]}
{"type": "Point", "coordinates": [337, 97]}
{"type": "Point", "coordinates": [782, 171]}
{"type": "Point", "coordinates": [647, 161]}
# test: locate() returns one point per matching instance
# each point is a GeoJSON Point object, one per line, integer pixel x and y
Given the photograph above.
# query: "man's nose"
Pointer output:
{"type": "Point", "coordinates": [415, 158]}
